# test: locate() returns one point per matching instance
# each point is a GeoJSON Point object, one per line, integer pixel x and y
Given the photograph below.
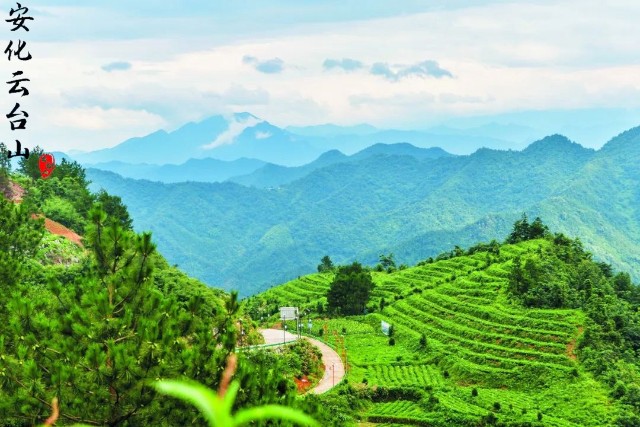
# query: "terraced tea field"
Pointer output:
{"type": "Point", "coordinates": [520, 361]}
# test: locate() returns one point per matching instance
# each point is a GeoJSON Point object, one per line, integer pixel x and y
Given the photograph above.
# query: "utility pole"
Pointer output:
{"type": "Point", "coordinates": [284, 329]}
{"type": "Point", "coordinates": [333, 370]}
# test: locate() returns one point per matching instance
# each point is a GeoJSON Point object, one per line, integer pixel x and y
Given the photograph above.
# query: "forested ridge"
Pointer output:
{"type": "Point", "coordinates": [391, 201]}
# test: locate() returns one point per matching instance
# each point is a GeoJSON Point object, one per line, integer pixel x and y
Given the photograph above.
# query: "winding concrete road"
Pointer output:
{"type": "Point", "coordinates": [333, 366]}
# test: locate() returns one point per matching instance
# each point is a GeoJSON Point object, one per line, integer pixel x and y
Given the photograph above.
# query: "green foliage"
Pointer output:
{"type": "Point", "coordinates": [72, 170]}
{"type": "Point", "coordinates": [423, 341]}
{"type": "Point", "coordinates": [326, 265]}
{"type": "Point", "coordinates": [5, 164]}
{"type": "Point", "coordinates": [350, 290]}
{"type": "Point", "coordinates": [30, 167]}
{"type": "Point", "coordinates": [523, 231]}
{"type": "Point", "coordinates": [387, 263]}
{"type": "Point", "coordinates": [62, 211]}
{"type": "Point", "coordinates": [19, 239]}
{"type": "Point", "coordinates": [65, 200]}
{"type": "Point", "coordinates": [217, 410]}
{"type": "Point", "coordinates": [302, 359]}
{"type": "Point", "coordinates": [115, 209]}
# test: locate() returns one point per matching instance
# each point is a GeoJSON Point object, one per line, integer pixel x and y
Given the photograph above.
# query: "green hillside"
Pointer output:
{"type": "Point", "coordinates": [223, 233]}
{"type": "Point", "coordinates": [459, 327]}
{"type": "Point", "coordinates": [87, 329]}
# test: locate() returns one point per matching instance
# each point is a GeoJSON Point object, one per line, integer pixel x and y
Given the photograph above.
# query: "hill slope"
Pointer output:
{"type": "Point", "coordinates": [525, 360]}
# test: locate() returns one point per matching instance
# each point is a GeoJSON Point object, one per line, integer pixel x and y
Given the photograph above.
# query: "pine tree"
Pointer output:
{"type": "Point", "coordinates": [19, 237]}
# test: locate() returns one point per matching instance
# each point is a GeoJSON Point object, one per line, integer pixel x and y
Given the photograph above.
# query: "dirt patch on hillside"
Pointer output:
{"type": "Point", "coordinates": [56, 228]}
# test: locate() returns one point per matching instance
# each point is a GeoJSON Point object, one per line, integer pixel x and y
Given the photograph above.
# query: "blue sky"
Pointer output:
{"type": "Point", "coordinates": [105, 71]}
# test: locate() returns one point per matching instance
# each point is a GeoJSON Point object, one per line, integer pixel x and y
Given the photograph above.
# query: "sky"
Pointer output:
{"type": "Point", "coordinates": [106, 71]}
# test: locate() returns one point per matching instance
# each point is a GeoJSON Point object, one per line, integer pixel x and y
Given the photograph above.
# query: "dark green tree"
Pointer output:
{"type": "Point", "coordinates": [325, 265]}
{"type": "Point", "coordinates": [523, 230]}
{"type": "Point", "coordinates": [520, 230]}
{"type": "Point", "coordinates": [350, 290]}
{"type": "Point", "coordinates": [537, 230]}
{"type": "Point", "coordinates": [115, 209]}
{"type": "Point", "coordinates": [70, 169]}
{"type": "Point", "coordinates": [387, 262]}
{"type": "Point", "coordinates": [30, 167]}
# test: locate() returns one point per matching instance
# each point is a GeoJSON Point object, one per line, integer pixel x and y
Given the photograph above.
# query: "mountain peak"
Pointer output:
{"type": "Point", "coordinates": [402, 149]}
{"type": "Point", "coordinates": [553, 143]}
{"type": "Point", "coordinates": [244, 116]}
{"type": "Point", "coordinates": [627, 140]}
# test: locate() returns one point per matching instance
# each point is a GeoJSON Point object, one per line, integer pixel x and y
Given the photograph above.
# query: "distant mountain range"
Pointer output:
{"type": "Point", "coordinates": [202, 170]}
{"type": "Point", "coordinates": [389, 198]}
{"type": "Point", "coordinates": [243, 135]}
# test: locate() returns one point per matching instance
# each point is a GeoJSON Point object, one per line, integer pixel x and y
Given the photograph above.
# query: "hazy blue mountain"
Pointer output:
{"type": "Point", "coordinates": [589, 126]}
{"type": "Point", "coordinates": [224, 138]}
{"type": "Point", "coordinates": [163, 147]}
{"type": "Point", "coordinates": [203, 170]}
{"type": "Point", "coordinates": [271, 175]}
{"type": "Point", "coordinates": [331, 130]}
{"type": "Point", "coordinates": [517, 134]}
{"type": "Point", "coordinates": [248, 238]}
{"type": "Point", "coordinates": [270, 144]}
{"type": "Point", "coordinates": [400, 149]}
{"type": "Point", "coordinates": [244, 135]}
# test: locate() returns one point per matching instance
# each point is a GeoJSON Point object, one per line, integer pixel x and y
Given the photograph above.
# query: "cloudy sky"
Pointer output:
{"type": "Point", "coordinates": [105, 71]}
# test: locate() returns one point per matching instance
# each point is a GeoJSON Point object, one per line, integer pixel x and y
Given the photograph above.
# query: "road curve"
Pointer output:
{"type": "Point", "coordinates": [333, 366]}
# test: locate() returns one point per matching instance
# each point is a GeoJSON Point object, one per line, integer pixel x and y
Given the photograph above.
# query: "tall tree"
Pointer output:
{"type": "Point", "coordinates": [30, 167]}
{"type": "Point", "coordinates": [350, 290]}
{"type": "Point", "coordinates": [115, 209]}
{"type": "Point", "coordinates": [325, 264]}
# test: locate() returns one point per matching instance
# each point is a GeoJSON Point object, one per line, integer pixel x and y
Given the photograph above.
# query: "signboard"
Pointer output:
{"type": "Point", "coordinates": [385, 327]}
{"type": "Point", "coordinates": [288, 313]}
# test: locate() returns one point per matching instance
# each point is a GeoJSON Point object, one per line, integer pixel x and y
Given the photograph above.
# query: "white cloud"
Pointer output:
{"type": "Point", "coordinates": [263, 135]}
{"type": "Point", "coordinates": [236, 127]}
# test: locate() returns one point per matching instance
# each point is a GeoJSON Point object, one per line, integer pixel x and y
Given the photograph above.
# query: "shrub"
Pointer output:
{"type": "Point", "coordinates": [619, 390]}
{"type": "Point", "coordinates": [489, 419]}
{"type": "Point", "coordinates": [539, 416]}
{"type": "Point", "coordinates": [496, 406]}
{"type": "Point", "coordinates": [392, 341]}
{"type": "Point", "coordinates": [474, 392]}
